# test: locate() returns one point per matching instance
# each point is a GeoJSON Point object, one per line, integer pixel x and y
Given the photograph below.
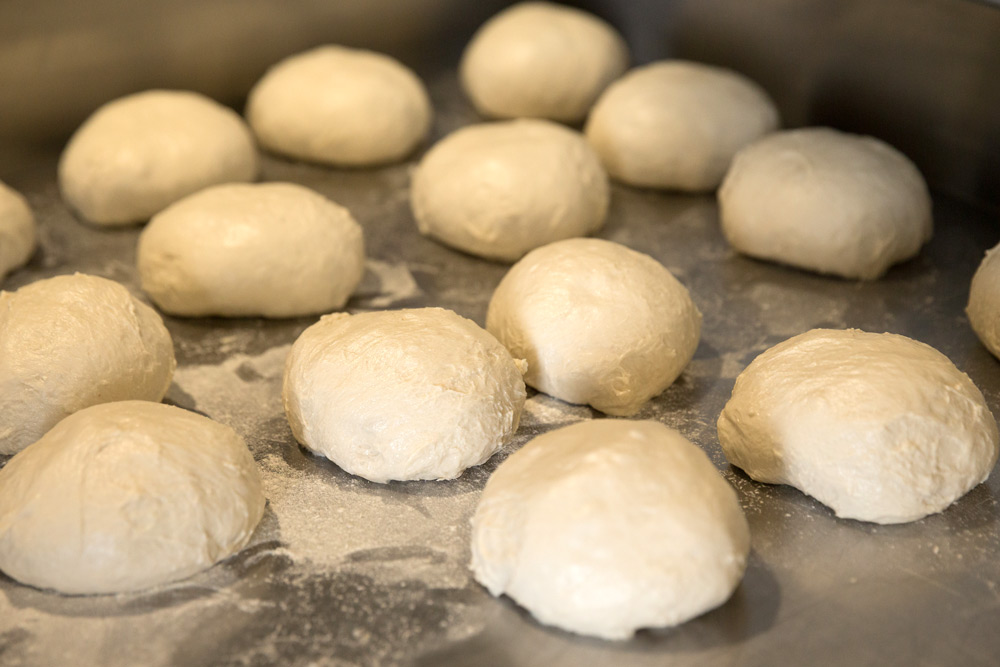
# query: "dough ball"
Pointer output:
{"type": "Point", "coordinates": [825, 201]}
{"type": "Point", "coordinates": [271, 249]}
{"type": "Point", "coordinates": [597, 323]}
{"type": "Point", "coordinates": [878, 427]}
{"type": "Point", "coordinates": [17, 231]}
{"type": "Point", "coordinates": [340, 106]}
{"type": "Point", "coordinates": [498, 190]}
{"type": "Point", "coordinates": [677, 124]}
{"type": "Point", "coordinates": [541, 60]}
{"type": "Point", "coordinates": [401, 395]}
{"type": "Point", "coordinates": [138, 154]}
{"type": "Point", "coordinates": [70, 342]}
{"type": "Point", "coordinates": [605, 527]}
{"type": "Point", "coordinates": [984, 302]}
{"type": "Point", "coordinates": [123, 496]}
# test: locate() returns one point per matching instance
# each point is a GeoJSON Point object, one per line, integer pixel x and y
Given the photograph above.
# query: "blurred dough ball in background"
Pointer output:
{"type": "Point", "coordinates": [984, 301]}
{"type": "Point", "coordinates": [18, 235]}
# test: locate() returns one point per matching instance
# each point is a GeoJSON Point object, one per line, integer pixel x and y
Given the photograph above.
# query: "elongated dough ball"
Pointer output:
{"type": "Point", "coordinates": [826, 201]}
{"type": "Point", "coordinates": [237, 250]}
{"type": "Point", "coordinates": [17, 230]}
{"type": "Point", "coordinates": [401, 395]}
{"type": "Point", "coordinates": [598, 323]}
{"type": "Point", "coordinates": [878, 427]}
{"type": "Point", "coordinates": [70, 342]}
{"type": "Point", "coordinates": [124, 496]}
{"type": "Point", "coordinates": [498, 190]}
{"type": "Point", "coordinates": [541, 60]}
{"type": "Point", "coordinates": [138, 154]}
{"type": "Point", "coordinates": [983, 308]}
{"type": "Point", "coordinates": [608, 526]}
{"type": "Point", "coordinates": [677, 125]}
{"type": "Point", "coordinates": [340, 106]}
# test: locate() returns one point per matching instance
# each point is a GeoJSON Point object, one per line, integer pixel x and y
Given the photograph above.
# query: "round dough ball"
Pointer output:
{"type": "Point", "coordinates": [677, 125]}
{"type": "Point", "coordinates": [17, 231]}
{"type": "Point", "coordinates": [138, 154]}
{"type": "Point", "coordinates": [984, 301]}
{"type": "Point", "coordinates": [70, 342]}
{"type": "Point", "coordinates": [541, 60]}
{"type": "Point", "coordinates": [401, 395]}
{"type": "Point", "coordinates": [878, 427]}
{"type": "Point", "coordinates": [825, 201]}
{"type": "Point", "coordinates": [340, 106]}
{"type": "Point", "coordinates": [605, 527]}
{"type": "Point", "coordinates": [271, 249]}
{"type": "Point", "coordinates": [123, 496]}
{"type": "Point", "coordinates": [598, 323]}
{"type": "Point", "coordinates": [498, 190]}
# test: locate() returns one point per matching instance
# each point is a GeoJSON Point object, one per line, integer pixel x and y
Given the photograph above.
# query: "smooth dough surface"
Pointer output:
{"type": "Point", "coordinates": [541, 60]}
{"type": "Point", "coordinates": [608, 526]}
{"type": "Point", "coordinates": [498, 190]}
{"type": "Point", "coordinates": [677, 125]}
{"type": "Point", "coordinates": [137, 154]}
{"type": "Point", "coordinates": [878, 427]}
{"type": "Point", "coordinates": [340, 106]}
{"type": "Point", "coordinates": [826, 201]}
{"type": "Point", "coordinates": [598, 323]}
{"type": "Point", "coordinates": [401, 395]}
{"type": "Point", "coordinates": [124, 496]}
{"type": "Point", "coordinates": [984, 301]}
{"type": "Point", "coordinates": [236, 250]}
{"type": "Point", "coordinates": [17, 230]}
{"type": "Point", "coordinates": [70, 342]}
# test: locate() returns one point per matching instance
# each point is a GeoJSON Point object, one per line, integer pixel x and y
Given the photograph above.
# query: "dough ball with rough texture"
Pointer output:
{"type": "Point", "coordinates": [70, 342]}
{"type": "Point", "coordinates": [402, 395]}
{"type": "Point", "coordinates": [17, 231]}
{"type": "Point", "coordinates": [541, 60]}
{"type": "Point", "coordinates": [124, 496]}
{"type": "Point", "coordinates": [825, 201]}
{"type": "Point", "coordinates": [677, 125]}
{"type": "Point", "coordinates": [340, 106]}
{"type": "Point", "coordinates": [605, 527]}
{"type": "Point", "coordinates": [498, 190]}
{"type": "Point", "coordinates": [598, 323]}
{"type": "Point", "coordinates": [138, 154]}
{"type": "Point", "coordinates": [270, 249]}
{"type": "Point", "coordinates": [878, 427]}
{"type": "Point", "coordinates": [984, 301]}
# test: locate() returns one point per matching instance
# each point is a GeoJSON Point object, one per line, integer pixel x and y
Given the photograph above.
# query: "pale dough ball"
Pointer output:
{"type": "Point", "coordinates": [140, 153]}
{"type": "Point", "coordinates": [598, 323]}
{"type": "Point", "coordinates": [70, 342]}
{"type": "Point", "coordinates": [878, 427]}
{"type": "Point", "coordinates": [605, 527]}
{"type": "Point", "coordinates": [498, 190]}
{"type": "Point", "coordinates": [826, 201]}
{"type": "Point", "coordinates": [340, 106]}
{"type": "Point", "coordinates": [984, 302]}
{"type": "Point", "coordinates": [401, 395]}
{"type": "Point", "coordinates": [677, 125]}
{"type": "Point", "coordinates": [124, 496]}
{"type": "Point", "coordinates": [541, 60]}
{"type": "Point", "coordinates": [270, 249]}
{"type": "Point", "coordinates": [17, 231]}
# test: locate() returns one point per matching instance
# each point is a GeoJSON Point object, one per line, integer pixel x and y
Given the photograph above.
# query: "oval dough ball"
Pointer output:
{"type": "Point", "coordinates": [541, 60]}
{"type": "Point", "coordinates": [498, 190]}
{"type": "Point", "coordinates": [598, 323]}
{"type": "Point", "coordinates": [878, 427]}
{"type": "Point", "coordinates": [17, 231]}
{"type": "Point", "coordinates": [271, 249]}
{"type": "Point", "coordinates": [605, 527]}
{"type": "Point", "coordinates": [124, 496]}
{"type": "Point", "coordinates": [402, 395]}
{"type": "Point", "coordinates": [340, 106]}
{"type": "Point", "coordinates": [70, 342]}
{"type": "Point", "coordinates": [676, 125]}
{"type": "Point", "coordinates": [825, 201]}
{"type": "Point", "coordinates": [138, 154]}
{"type": "Point", "coordinates": [984, 302]}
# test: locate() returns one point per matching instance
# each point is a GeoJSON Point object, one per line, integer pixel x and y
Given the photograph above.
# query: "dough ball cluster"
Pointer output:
{"type": "Point", "coordinates": [17, 230]}
{"type": "Point", "coordinates": [879, 427]}
{"type": "Point", "coordinates": [498, 190]}
{"type": "Point", "coordinates": [984, 301]}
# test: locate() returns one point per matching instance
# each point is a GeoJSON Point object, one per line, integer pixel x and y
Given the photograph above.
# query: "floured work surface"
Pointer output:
{"type": "Point", "coordinates": [344, 572]}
